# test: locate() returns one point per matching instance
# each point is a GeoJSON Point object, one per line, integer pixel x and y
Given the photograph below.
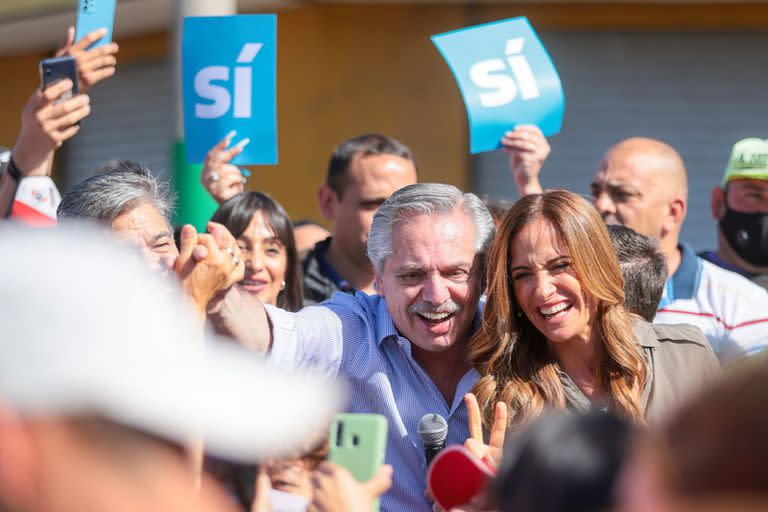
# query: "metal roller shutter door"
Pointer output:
{"type": "Point", "coordinates": [131, 119]}
{"type": "Point", "coordinates": [699, 92]}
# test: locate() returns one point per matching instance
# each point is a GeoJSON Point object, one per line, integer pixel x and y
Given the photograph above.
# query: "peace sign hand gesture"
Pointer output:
{"type": "Point", "coordinates": [492, 451]}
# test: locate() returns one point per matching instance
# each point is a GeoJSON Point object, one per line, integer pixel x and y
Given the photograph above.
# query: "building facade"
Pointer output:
{"type": "Point", "coordinates": [689, 73]}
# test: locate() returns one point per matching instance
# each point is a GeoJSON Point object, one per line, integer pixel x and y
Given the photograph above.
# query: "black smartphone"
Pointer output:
{"type": "Point", "coordinates": [56, 69]}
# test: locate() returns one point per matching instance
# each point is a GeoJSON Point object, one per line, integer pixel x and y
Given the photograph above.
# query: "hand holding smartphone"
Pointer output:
{"type": "Point", "coordinates": [56, 69]}
{"type": "Point", "coordinates": [358, 443]}
{"type": "Point", "coordinates": [93, 15]}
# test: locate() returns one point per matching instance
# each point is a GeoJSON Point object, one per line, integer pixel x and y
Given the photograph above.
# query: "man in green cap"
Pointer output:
{"type": "Point", "coordinates": [740, 205]}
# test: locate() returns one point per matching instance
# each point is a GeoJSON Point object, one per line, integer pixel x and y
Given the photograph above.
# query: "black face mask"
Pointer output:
{"type": "Point", "coordinates": [747, 234]}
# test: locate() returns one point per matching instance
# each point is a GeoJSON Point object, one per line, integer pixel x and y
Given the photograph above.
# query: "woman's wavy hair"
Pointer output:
{"type": "Point", "coordinates": [513, 357]}
{"type": "Point", "coordinates": [236, 214]}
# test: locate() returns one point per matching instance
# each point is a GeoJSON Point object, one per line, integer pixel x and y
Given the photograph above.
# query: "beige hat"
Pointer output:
{"type": "Point", "coordinates": [87, 329]}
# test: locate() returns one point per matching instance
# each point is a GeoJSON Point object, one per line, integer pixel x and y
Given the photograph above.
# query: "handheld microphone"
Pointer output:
{"type": "Point", "coordinates": [433, 429]}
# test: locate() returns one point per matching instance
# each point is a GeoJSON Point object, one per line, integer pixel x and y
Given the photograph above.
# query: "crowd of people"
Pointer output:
{"type": "Point", "coordinates": [579, 348]}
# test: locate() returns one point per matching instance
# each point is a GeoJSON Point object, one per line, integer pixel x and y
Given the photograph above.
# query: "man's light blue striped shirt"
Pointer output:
{"type": "Point", "coordinates": [353, 336]}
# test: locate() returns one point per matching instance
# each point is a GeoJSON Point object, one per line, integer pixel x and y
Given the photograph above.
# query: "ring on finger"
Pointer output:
{"type": "Point", "coordinates": [235, 260]}
{"type": "Point", "coordinates": [230, 250]}
{"type": "Point", "coordinates": [214, 176]}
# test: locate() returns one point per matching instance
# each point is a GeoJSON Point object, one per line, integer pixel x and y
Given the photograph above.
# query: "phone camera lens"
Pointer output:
{"type": "Point", "coordinates": [47, 71]}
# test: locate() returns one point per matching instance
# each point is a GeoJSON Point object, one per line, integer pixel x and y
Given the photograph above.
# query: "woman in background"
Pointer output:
{"type": "Point", "coordinates": [265, 237]}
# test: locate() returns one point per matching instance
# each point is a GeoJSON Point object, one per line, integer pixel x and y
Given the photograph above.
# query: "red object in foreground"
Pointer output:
{"type": "Point", "coordinates": [36, 201]}
{"type": "Point", "coordinates": [31, 216]}
{"type": "Point", "coordinates": [456, 476]}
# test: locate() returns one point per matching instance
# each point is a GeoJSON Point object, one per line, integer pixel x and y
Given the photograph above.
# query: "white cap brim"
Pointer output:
{"type": "Point", "coordinates": [88, 330]}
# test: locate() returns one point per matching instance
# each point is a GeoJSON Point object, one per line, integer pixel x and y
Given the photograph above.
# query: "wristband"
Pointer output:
{"type": "Point", "coordinates": [14, 171]}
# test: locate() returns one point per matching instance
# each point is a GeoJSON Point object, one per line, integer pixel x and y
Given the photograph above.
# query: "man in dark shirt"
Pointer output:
{"type": "Point", "coordinates": [362, 173]}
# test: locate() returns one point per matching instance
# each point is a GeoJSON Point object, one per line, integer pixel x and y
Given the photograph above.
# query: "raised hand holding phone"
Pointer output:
{"type": "Point", "coordinates": [57, 69]}
{"type": "Point", "coordinates": [336, 490]}
{"type": "Point", "coordinates": [358, 443]}
{"type": "Point", "coordinates": [95, 62]}
{"type": "Point", "coordinates": [93, 15]}
{"type": "Point", "coordinates": [46, 124]}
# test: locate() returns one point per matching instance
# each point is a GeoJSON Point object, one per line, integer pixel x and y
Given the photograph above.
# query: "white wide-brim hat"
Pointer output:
{"type": "Point", "coordinates": [88, 329]}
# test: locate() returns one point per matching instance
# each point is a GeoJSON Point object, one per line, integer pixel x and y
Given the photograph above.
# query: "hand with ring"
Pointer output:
{"type": "Point", "coordinates": [208, 263]}
{"type": "Point", "coordinates": [219, 177]}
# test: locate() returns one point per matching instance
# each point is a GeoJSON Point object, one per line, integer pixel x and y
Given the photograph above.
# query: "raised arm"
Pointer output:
{"type": "Point", "coordinates": [528, 149]}
{"type": "Point", "coordinates": [311, 338]}
{"type": "Point", "coordinates": [234, 313]}
{"type": "Point", "coordinates": [45, 125]}
{"type": "Point", "coordinates": [93, 65]}
{"type": "Point", "coordinates": [241, 316]}
{"type": "Point", "coordinates": [219, 177]}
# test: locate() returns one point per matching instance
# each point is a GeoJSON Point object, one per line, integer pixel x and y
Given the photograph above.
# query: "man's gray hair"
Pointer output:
{"type": "Point", "coordinates": [426, 199]}
{"type": "Point", "coordinates": [117, 188]}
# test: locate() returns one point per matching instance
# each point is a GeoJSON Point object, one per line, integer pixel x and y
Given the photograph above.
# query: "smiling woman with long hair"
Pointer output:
{"type": "Point", "coordinates": [555, 333]}
{"type": "Point", "coordinates": [265, 235]}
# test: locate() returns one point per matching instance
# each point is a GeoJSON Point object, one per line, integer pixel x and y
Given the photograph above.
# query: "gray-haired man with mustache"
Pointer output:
{"type": "Point", "coordinates": [402, 350]}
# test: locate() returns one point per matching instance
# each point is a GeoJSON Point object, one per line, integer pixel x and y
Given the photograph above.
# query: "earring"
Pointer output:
{"type": "Point", "coordinates": [282, 285]}
{"type": "Point", "coordinates": [518, 312]}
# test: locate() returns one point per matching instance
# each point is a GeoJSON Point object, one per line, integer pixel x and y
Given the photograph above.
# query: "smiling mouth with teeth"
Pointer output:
{"type": "Point", "coordinates": [556, 310]}
{"type": "Point", "coordinates": [435, 317]}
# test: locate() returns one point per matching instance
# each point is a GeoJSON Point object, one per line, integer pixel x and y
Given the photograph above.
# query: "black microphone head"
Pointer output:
{"type": "Point", "coordinates": [433, 429]}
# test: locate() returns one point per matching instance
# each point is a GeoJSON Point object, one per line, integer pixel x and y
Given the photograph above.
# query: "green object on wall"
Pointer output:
{"type": "Point", "coordinates": [194, 205]}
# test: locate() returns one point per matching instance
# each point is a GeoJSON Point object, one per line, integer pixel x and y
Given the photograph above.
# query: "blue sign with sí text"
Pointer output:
{"type": "Point", "coordinates": [229, 82]}
{"type": "Point", "coordinates": [506, 78]}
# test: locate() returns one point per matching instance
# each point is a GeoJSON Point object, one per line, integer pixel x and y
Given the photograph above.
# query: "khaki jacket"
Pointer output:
{"type": "Point", "coordinates": [683, 364]}
{"type": "Point", "coordinates": [680, 363]}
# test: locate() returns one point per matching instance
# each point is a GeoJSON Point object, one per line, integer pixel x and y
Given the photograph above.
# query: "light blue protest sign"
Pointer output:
{"type": "Point", "coordinates": [506, 78]}
{"type": "Point", "coordinates": [229, 75]}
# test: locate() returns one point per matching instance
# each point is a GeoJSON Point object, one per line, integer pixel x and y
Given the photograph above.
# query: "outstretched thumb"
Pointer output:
{"type": "Point", "coordinates": [188, 239]}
